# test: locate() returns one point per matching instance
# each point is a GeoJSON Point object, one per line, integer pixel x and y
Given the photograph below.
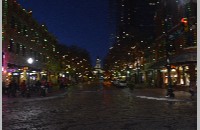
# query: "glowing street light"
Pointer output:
{"type": "Point", "coordinates": [30, 60]}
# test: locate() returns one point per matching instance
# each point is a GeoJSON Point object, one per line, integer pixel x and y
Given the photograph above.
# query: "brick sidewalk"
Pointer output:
{"type": "Point", "coordinates": [33, 96]}
{"type": "Point", "coordinates": [161, 93]}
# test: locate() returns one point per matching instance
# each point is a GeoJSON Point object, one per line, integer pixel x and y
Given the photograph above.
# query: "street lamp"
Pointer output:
{"type": "Point", "coordinates": [30, 60]}
{"type": "Point", "coordinates": [168, 65]}
{"type": "Point", "coordinates": [170, 89]}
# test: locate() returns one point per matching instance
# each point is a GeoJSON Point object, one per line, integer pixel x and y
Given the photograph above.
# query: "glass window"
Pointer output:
{"type": "Point", "coordinates": [10, 47]}
{"type": "Point", "coordinates": [12, 22]}
{"type": "Point", "coordinates": [23, 50]}
{"type": "Point", "coordinates": [17, 48]}
{"type": "Point", "coordinates": [24, 30]}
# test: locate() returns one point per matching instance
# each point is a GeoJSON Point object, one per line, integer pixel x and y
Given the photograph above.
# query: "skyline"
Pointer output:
{"type": "Point", "coordinates": [73, 23]}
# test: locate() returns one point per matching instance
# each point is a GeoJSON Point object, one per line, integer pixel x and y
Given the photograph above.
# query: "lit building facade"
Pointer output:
{"type": "Point", "coordinates": [141, 45]}
{"type": "Point", "coordinates": [126, 56]}
{"type": "Point", "coordinates": [24, 38]}
{"type": "Point", "coordinates": [176, 39]}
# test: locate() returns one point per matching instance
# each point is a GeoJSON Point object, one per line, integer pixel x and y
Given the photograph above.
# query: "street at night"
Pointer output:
{"type": "Point", "coordinates": [93, 107]}
{"type": "Point", "coordinates": [99, 65]}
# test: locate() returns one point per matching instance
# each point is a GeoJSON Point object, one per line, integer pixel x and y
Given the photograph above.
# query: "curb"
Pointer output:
{"type": "Point", "coordinates": [34, 98]}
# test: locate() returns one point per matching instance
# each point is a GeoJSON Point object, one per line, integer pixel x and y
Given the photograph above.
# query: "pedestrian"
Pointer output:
{"type": "Point", "coordinates": [46, 87]}
{"type": "Point", "coordinates": [37, 86]}
{"type": "Point", "coordinates": [43, 89]}
{"type": "Point", "coordinates": [13, 88]}
{"type": "Point", "coordinates": [8, 88]}
{"type": "Point", "coordinates": [50, 86]}
{"type": "Point", "coordinates": [61, 85]}
{"type": "Point", "coordinates": [23, 88]}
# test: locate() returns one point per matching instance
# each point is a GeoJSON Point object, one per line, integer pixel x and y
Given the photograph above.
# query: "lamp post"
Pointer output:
{"type": "Point", "coordinates": [170, 89]}
{"type": "Point", "coordinates": [168, 65]}
{"type": "Point", "coordinates": [29, 61]}
{"type": "Point", "coordinates": [138, 72]}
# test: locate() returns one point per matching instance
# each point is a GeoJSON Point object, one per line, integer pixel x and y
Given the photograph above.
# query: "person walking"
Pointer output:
{"type": "Point", "coordinates": [12, 88]}
{"type": "Point", "coordinates": [43, 89]}
{"type": "Point", "coordinates": [8, 89]}
{"type": "Point", "coordinates": [50, 86]}
{"type": "Point", "coordinates": [37, 86]}
{"type": "Point", "coordinates": [23, 88]}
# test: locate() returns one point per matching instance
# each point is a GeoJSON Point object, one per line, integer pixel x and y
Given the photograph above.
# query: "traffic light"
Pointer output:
{"type": "Point", "coordinates": [184, 22]}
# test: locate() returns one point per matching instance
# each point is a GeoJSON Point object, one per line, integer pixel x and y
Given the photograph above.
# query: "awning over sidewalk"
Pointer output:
{"type": "Point", "coordinates": [183, 58]}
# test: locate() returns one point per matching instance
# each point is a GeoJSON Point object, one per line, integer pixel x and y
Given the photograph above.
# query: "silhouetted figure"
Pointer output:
{"type": "Point", "coordinates": [37, 86]}
{"type": "Point", "coordinates": [23, 88]}
{"type": "Point", "coordinates": [13, 88]}
{"type": "Point", "coordinates": [62, 86]}
{"type": "Point", "coordinates": [43, 89]}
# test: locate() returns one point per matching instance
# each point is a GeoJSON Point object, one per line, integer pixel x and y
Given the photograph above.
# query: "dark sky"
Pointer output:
{"type": "Point", "coordinates": [74, 22]}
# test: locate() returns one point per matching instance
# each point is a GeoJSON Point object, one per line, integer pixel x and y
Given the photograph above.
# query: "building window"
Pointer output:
{"type": "Point", "coordinates": [19, 27]}
{"type": "Point", "coordinates": [23, 50]}
{"type": "Point", "coordinates": [44, 58]}
{"type": "Point", "coordinates": [24, 30]}
{"type": "Point", "coordinates": [17, 48]}
{"type": "Point", "coordinates": [31, 52]}
{"type": "Point", "coordinates": [12, 22]}
{"type": "Point", "coordinates": [10, 47]}
{"type": "Point", "coordinates": [35, 55]}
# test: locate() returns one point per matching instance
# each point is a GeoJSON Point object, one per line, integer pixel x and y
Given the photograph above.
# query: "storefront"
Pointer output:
{"type": "Point", "coordinates": [183, 71]}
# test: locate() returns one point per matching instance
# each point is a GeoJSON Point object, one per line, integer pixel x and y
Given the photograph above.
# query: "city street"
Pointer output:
{"type": "Point", "coordinates": [99, 65]}
{"type": "Point", "coordinates": [94, 107]}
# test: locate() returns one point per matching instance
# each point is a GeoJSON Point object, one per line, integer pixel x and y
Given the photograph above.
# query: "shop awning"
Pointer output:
{"type": "Point", "coordinates": [179, 59]}
{"type": "Point", "coordinates": [184, 58]}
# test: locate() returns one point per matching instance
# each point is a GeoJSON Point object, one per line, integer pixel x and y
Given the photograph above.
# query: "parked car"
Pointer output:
{"type": "Point", "coordinates": [122, 84]}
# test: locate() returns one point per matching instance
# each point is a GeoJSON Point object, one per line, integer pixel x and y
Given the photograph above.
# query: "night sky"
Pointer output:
{"type": "Point", "coordinates": [75, 22]}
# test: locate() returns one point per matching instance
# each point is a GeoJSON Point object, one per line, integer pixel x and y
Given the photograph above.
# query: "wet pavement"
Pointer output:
{"type": "Point", "coordinates": [101, 108]}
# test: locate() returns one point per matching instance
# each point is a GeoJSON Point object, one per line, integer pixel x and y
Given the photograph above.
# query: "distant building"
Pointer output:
{"type": "Point", "coordinates": [98, 72]}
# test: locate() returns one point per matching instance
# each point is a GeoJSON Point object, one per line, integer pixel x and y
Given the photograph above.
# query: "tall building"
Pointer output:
{"type": "Point", "coordinates": [24, 38]}
{"type": "Point", "coordinates": [148, 32]}
{"type": "Point", "coordinates": [175, 38]}
{"type": "Point", "coordinates": [134, 29]}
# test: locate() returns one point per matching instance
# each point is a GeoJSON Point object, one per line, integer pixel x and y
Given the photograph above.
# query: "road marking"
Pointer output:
{"type": "Point", "coordinates": [161, 99]}
{"type": "Point", "coordinates": [88, 91]}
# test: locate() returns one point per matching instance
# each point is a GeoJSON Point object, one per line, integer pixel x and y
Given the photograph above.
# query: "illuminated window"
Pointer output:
{"type": "Point", "coordinates": [10, 47]}
{"type": "Point", "coordinates": [23, 50]}
{"type": "Point", "coordinates": [24, 30]}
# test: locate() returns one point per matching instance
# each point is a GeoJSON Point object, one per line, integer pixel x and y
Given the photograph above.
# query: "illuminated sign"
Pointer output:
{"type": "Point", "coordinates": [15, 73]}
